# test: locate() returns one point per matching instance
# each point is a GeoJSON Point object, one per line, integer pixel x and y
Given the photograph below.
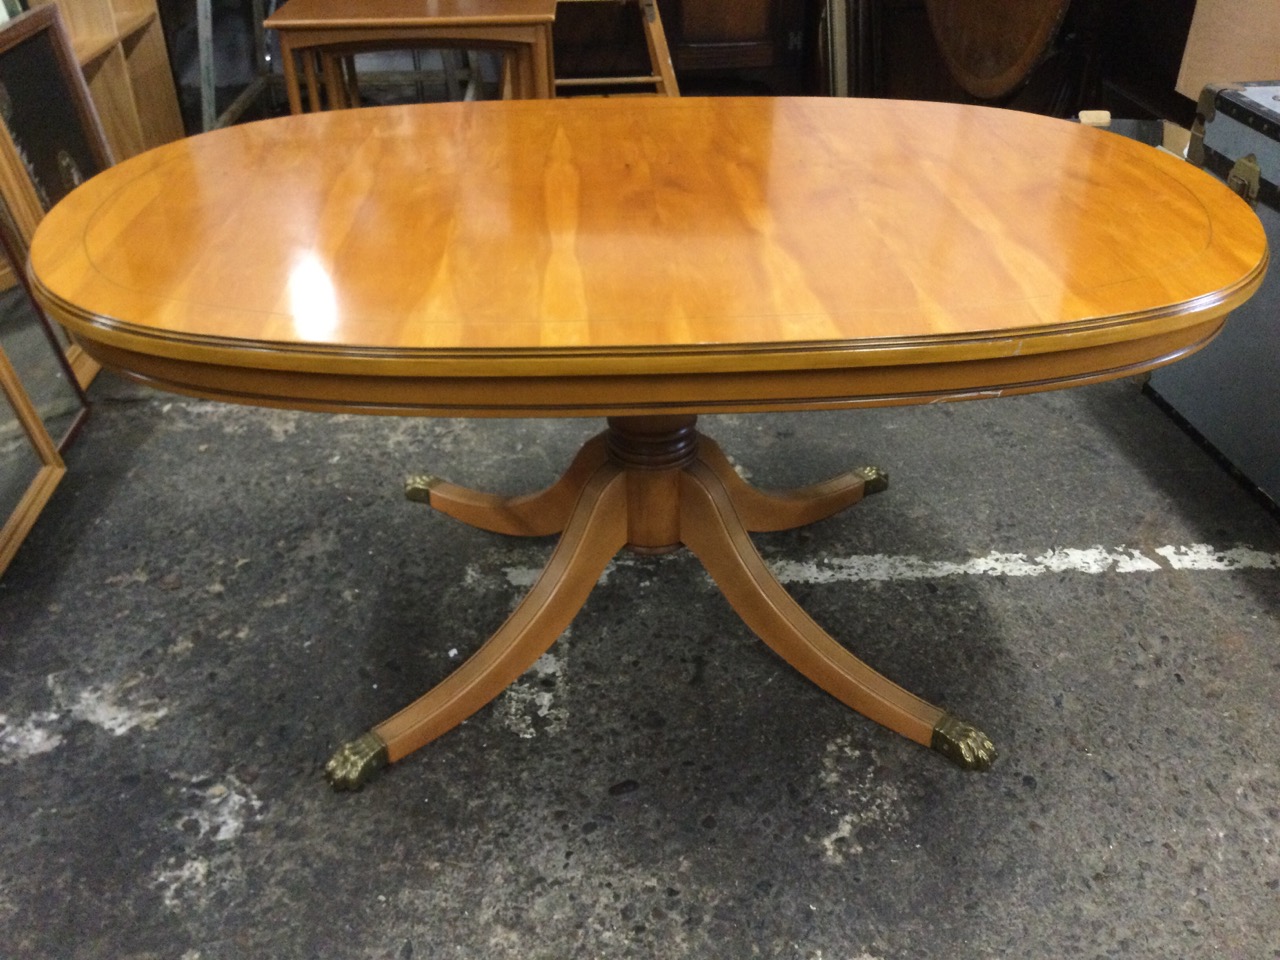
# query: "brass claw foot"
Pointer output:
{"type": "Point", "coordinates": [964, 745]}
{"type": "Point", "coordinates": [418, 487]}
{"type": "Point", "coordinates": [355, 762]}
{"type": "Point", "coordinates": [874, 480]}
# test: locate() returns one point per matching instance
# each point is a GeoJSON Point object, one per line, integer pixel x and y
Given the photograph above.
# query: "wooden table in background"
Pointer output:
{"type": "Point", "coordinates": [331, 29]}
{"type": "Point", "coordinates": [646, 260]}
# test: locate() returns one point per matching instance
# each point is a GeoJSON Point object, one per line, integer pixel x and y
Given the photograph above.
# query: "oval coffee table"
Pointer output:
{"type": "Point", "coordinates": [645, 260]}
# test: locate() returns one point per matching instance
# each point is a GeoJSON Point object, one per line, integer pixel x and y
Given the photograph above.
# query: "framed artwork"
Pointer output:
{"type": "Point", "coordinates": [45, 106]}
{"type": "Point", "coordinates": [50, 137]}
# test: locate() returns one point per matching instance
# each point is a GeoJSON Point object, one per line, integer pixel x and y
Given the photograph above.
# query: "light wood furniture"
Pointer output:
{"type": "Point", "coordinates": [323, 32]}
{"type": "Point", "coordinates": [41, 406]}
{"type": "Point", "coordinates": [646, 260]}
{"type": "Point", "coordinates": [1229, 40]}
{"type": "Point", "coordinates": [51, 137]}
{"type": "Point", "coordinates": [120, 46]}
{"type": "Point", "coordinates": [17, 414]}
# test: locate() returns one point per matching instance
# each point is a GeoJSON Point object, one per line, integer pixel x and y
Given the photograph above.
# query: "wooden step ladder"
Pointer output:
{"type": "Point", "coordinates": [662, 75]}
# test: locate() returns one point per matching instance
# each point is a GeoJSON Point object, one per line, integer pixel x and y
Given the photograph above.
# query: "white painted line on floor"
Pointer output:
{"type": "Point", "coordinates": [1201, 556]}
{"type": "Point", "coordinates": [883, 567]}
{"type": "Point", "coordinates": [1092, 560]}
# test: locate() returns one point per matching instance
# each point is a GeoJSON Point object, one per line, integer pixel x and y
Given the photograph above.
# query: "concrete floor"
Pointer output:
{"type": "Point", "coordinates": [217, 596]}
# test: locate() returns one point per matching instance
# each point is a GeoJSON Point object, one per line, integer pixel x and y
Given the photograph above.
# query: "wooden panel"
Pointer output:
{"type": "Point", "coordinates": [18, 524]}
{"type": "Point", "coordinates": [91, 23]}
{"type": "Point", "coordinates": [129, 23]}
{"type": "Point", "coordinates": [38, 447]}
{"type": "Point", "coordinates": [130, 11]}
{"type": "Point", "coordinates": [89, 47]}
{"type": "Point", "coordinates": [108, 80]}
{"type": "Point", "coordinates": [151, 82]}
{"type": "Point", "coordinates": [15, 187]}
{"type": "Point", "coordinates": [1230, 40]}
{"type": "Point", "coordinates": [121, 47]}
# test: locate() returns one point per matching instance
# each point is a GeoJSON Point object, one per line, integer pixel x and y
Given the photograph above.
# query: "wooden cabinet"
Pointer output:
{"type": "Point", "coordinates": [735, 35]}
{"type": "Point", "coordinates": [120, 46]}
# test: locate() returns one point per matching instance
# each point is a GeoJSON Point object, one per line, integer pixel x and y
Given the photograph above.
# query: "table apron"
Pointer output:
{"type": "Point", "coordinates": [636, 394]}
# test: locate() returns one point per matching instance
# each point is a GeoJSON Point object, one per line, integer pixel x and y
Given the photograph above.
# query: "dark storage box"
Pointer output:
{"type": "Point", "coordinates": [1230, 391]}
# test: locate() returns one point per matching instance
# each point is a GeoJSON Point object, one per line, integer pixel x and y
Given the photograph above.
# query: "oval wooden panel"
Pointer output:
{"type": "Point", "coordinates": [598, 255]}
{"type": "Point", "coordinates": [991, 46]}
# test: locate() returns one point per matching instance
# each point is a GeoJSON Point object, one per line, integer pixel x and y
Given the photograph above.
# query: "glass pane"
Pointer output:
{"type": "Point", "coordinates": [19, 462]}
{"type": "Point", "coordinates": [24, 339]}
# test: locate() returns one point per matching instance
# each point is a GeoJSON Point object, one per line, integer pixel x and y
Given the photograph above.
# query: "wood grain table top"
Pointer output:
{"type": "Point", "coordinates": [644, 254]}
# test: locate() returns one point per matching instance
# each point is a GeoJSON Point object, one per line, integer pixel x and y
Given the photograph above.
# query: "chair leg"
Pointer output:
{"type": "Point", "coordinates": [472, 91]}
{"type": "Point", "coordinates": [659, 54]}
{"type": "Point", "coordinates": [351, 83]}
{"type": "Point", "coordinates": [310, 71]}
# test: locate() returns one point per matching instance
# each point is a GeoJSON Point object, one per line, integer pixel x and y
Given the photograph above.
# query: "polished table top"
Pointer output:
{"type": "Point", "coordinates": [644, 255]}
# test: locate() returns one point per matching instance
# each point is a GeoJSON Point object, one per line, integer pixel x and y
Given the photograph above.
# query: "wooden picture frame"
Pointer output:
{"type": "Point", "coordinates": [24, 443]}
{"type": "Point", "coordinates": [43, 406]}
{"type": "Point", "coordinates": [48, 115]}
{"type": "Point", "coordinates": [50, 136]}
{"type": "Point", "coordinates": [36, 352]}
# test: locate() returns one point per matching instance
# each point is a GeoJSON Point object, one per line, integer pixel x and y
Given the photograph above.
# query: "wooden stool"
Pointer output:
{"type": "Point", "coordinates": [333, 31]}
{"type": "Point", "coordinates": [662, 76]}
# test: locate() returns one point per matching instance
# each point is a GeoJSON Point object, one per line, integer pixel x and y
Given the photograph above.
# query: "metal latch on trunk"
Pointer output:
{"type": "Point", "coordinates": [1245, 178]}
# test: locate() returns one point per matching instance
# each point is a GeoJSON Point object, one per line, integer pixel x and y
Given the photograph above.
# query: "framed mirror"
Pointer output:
{"type": "Point", "coordinates": [31, 342]}
{"type": "Point", "coordinates": [42, 404]}
{"type": "Point", "coordinates": [30, 465]}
